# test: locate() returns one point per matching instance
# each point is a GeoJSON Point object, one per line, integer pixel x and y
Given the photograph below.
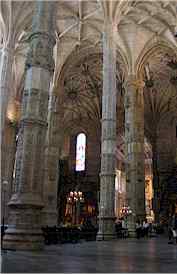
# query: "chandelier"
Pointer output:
{"type": "Point", "coordinates": [75, 196]}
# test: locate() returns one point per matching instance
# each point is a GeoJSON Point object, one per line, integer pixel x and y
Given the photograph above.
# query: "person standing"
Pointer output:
{"type": "Point", "coordinates": [172, 229]}
{"type": "Point", "coordinates": [146, 228]}
{"type": "Point", "coordinates": [138, 229]}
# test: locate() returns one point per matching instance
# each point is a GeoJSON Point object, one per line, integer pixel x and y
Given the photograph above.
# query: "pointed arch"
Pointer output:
{"type": "Point", "coordinates": [150, 48]}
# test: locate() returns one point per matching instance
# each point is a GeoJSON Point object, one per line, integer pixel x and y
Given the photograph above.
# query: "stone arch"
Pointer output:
{"type": "Point", "coordinates": [150, 48]}
{"type": "Point", "coordinates": [79, 54]}
{"type": "Point", "coordinates": [85, 51]}
{"type": "Point", "coordinates": [75, 130]}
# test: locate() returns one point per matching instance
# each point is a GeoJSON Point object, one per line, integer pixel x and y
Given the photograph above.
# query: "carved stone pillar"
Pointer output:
{"type": "Point", "coordinates": [8, 150]}
{"type": "Point", "coordinates": [108, 141]}
{"type": "Point", "coordinates": [26, 203]}
{"type": "Point", "coordinates": [52, 152]}
{"type": "Point", "coordinates": [134, 138]}
{"type": "Point", "coordinates": [6, 61]}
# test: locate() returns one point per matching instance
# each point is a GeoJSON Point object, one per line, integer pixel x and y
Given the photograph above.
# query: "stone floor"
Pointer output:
{"type": "Point", "coordinates": [128, 256]}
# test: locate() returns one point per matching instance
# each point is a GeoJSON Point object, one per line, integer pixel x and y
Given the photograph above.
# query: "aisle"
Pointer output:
{"type": "Point", "coordinates": [128, 255]}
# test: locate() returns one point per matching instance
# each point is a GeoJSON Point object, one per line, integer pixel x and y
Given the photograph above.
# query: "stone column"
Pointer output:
{"type": "Point", "coordinates": [26, 203]}
{"type": "Point", "coordinates": [134, 138]}
{"type": "Point", "coordinates": [8, 150]}
{"type": "Point", "coordinates": [108, 139]}
{"type": "Point", "coordinates": [52, 152]}
{"type": "Point", "coordinates": [6, 62]}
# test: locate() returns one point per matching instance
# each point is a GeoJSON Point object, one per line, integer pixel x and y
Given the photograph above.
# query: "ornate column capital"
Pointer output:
{"type": "Point", "coordinates": [41, 52]}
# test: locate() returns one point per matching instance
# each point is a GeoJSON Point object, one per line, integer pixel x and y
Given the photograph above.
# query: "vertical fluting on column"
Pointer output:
{"type": "Point", "coordinates": [6, 62]}
{"type": "Point", "coordinates": [26, 203]}
{"type": "Point", "coordinates": [108, 139]}
{"type": "Point", "coordinates": [134, 138]}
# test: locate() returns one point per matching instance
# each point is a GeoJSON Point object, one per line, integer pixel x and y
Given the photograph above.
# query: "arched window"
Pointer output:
{"type": "Point", "coordinates": [80, 152]}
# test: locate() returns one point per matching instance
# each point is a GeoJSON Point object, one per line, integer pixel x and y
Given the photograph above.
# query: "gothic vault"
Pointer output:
{"type": "Point", "coordinates": [104, 68]}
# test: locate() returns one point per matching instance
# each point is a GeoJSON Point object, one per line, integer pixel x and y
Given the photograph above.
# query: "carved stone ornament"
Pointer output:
{"type": "Point", "coordinates": [41, 51]}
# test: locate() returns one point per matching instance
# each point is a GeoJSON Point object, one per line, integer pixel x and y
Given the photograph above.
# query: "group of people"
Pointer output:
{"type": "Point", "coordinates": [143, 228]}
{"type": "Point", "coordinates": [146, 229]}
{"type": "Point", "coordinates": [121, 228]}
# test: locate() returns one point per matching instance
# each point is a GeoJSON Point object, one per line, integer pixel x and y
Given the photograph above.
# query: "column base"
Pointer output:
{"type": "Point", "coordinates": [105, 237]}
{"type": "Point", "coordinates": [132, 233]}
{"type": "Point", "coordinates": [106, 228]}
{"type": "Point", "coordinates": [24, 231]}
{"type": "Point", "coordinates": [23, 239]}
{"type": "Point", "coordinates": [131, 225]}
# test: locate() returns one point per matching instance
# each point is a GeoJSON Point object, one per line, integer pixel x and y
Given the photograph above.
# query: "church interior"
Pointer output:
{"type": "Point", "coordinates": [88, 115]}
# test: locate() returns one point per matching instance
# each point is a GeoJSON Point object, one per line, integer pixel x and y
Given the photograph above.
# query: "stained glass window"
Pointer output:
{"type": "Point", "coordinates": [80, 152]}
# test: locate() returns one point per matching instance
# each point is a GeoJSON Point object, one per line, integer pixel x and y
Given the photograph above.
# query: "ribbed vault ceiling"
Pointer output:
{"type": "Point", "coordinates": [81, 22]}
{"type": "Point", "coordinates": [80, 25]}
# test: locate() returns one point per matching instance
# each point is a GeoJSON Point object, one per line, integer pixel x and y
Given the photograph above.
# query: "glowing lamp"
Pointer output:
{"type": "Point", "coordinates": [80, 193]}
